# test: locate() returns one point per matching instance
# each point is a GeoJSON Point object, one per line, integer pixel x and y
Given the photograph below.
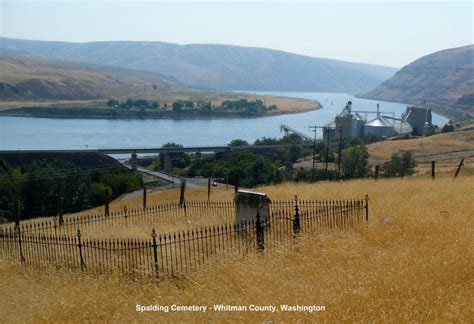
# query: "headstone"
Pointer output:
{"type": "Point", "coordinates": [248, 203]}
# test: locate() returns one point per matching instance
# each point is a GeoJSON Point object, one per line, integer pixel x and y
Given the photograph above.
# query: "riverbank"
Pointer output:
{"type": "Point", "coordinates": [99, 109]}
{"type": "Point", "coordinates": [110, 113]}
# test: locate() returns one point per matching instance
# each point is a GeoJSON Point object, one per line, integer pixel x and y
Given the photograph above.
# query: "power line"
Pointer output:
{"type": "Point", "coordinates": [59, 174]}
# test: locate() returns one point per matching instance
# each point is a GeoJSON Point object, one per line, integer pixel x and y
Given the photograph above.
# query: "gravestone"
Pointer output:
{"type": "Point", "coordinates": [247, 203]}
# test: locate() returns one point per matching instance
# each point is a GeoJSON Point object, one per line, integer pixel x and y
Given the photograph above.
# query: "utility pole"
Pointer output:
{"type": "Point", "coordinates": [327, 151]}
{"type": "Point", "coordinates": [314, 128]}
{"type": "Point", "coordinates": [314, 151]}
{"type": "Point", "coordinates": [340, 155]}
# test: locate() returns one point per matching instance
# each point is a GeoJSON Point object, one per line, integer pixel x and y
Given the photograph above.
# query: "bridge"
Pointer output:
{"type": "Point", "coordinates": [189, 149]}
{"type": "Point", "coordinates": [166, 151]}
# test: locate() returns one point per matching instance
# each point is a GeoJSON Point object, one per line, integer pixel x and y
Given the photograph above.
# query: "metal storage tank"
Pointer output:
{"type": "Point", "coordinates": [346, 123]}
{"type": "Point", "coordinates": [359, 125]}
{"type": "Point", "coordinates": [379, 127]}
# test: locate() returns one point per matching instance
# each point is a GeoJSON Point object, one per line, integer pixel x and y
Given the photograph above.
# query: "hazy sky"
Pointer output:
{"type": "Point", "coordinates": [391, 33]}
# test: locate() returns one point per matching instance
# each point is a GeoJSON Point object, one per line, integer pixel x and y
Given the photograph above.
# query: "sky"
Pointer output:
{"type": "Point", "coordinates": [392, 33]}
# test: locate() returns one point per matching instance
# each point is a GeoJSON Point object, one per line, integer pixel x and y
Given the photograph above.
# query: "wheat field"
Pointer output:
{"type": "Point", "coordinates": [414, 262]}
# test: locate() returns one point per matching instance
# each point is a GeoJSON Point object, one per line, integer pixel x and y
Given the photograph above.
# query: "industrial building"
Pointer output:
{"type": "Point", "coordinates": [352, 124]}
{"type": "Point", "coordinates": [419, 118]}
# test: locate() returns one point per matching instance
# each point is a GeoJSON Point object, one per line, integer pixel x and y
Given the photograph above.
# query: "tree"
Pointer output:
{"type": "Point", "coordinates": [112, 103]}
{"type": "Point", "coordinates": [177, 106]}
{"type": "Point", "coordinates": [399, 166]}
{"type": "Point", "coordinates": [238, 142]}
{"type": "Point", "coordinates": [179, 160]}
{"type": "Point", "coordinates": [355, 162]}
{"type": "Point", "coordinates": [447, 128]}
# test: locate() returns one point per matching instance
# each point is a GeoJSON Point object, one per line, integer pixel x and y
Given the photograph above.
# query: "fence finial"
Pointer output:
{"type": "Point", "coordinates": [153, 233]}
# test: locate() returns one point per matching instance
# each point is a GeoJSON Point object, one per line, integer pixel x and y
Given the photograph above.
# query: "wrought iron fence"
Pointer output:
{"type": "Point", "coordinates": [176, 253]}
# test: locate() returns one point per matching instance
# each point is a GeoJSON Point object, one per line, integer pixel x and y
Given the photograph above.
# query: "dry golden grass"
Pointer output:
{"type": "Point", "coordinates": [413, 263]}
{"type": "Point", "coordinates": [436, 144]}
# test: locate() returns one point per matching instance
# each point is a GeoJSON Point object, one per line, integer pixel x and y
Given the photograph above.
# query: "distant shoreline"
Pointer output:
{"type": "Point", "coordinates": [110, 113]}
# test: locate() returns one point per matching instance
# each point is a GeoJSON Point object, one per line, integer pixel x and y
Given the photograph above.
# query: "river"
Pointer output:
{"type": "Point", "coordinates": [20, 133]}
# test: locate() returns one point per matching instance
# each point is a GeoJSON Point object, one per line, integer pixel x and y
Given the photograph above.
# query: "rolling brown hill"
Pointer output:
{"type": "Point", "coordinates": [33, 82]}
{"type": "Point", "coordinates": [445, 80]}
{"type": "Point", "coordinates": [214, 66]}
{"type": "Point", "coordinates": [25, 78]}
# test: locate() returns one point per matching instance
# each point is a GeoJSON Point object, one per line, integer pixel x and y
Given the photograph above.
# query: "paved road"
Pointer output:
{"type": "Point", "coordinates": [173, 181]}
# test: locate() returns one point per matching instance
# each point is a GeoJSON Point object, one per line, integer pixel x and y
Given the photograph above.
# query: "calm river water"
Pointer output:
{"type": "Point", "coordinates": [53, 133]}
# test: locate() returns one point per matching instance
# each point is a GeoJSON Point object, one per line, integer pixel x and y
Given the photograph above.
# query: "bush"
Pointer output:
{"type": "Point", "coordinates": [97, 193]}
{"type": "Point", "coordinates": [447, 128]}
{"type": "Point", "coordinates": [399, 166]}
{"type": "Point", "coordinates": [355, 162]}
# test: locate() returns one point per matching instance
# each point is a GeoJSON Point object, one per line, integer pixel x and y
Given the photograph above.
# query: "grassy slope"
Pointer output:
{"type": "Point", "coordinates": [439, 78]}
{"type": "Point", "coordinates": [71, 85]}
{"type": "Point", "coordinates": [214, 66]}
{"type": "Point", "coordinates": [436, 144]}
{"type": "Point", "coordinates": [413, 262]}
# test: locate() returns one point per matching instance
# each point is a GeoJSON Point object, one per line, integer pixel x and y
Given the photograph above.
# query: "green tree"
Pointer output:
{"type": "Point", "coordinates": [238, 142]}
{"type": "Point", "coordinates": [177, 106]}
{"type": "Point", "coordinates": [179, 160]}
{"type": "Point", "coordinates": [447, 128]}
{"type": "Point", "coordinates": [399, 166]}
{"type": "Point", "coordinates": [355, 162]}
{"type": "Point", "coordinates": [112, 103]}
{"type": "Point", "coordinates": [97, 193]}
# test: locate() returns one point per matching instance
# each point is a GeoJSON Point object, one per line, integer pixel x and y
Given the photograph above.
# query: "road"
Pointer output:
{"type": "Point", "coordinates": [173, 181]}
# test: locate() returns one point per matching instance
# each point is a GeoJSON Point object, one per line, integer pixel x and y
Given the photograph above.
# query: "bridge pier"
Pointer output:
{"type": "Point", "coordinates": [134, 162]}
{"type": "Point", "coordinates": [168, 166]}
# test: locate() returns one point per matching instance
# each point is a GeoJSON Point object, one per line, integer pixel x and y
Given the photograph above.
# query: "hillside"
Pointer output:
{"type": "Point", "coordinates": [25, 78]}
{"type": "Point", "coordinates": [444, 79]}
{"type": "Point", "coordinates": [412, 263]}
{"type": "Point", "coordinates": [438, 144]}
{"type": "Point", "coordinates": [212, 66]}
{"type": "Point", "coordinates": [37, 82]}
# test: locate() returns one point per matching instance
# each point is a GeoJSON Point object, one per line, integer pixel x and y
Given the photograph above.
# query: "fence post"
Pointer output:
{"type": "Point", "coordinates": [144, 197]}
{"type": "Point", "coordinates": [433, 170]}
{"type": "Point", "coordinates": [181, 194]}
{"type": "Point", "coordinates": [79, 245]}
{"type": "Point", "coordinates": [260, 234]}
{"type": "Point", "coordinates": [155, 253]}
{"type": "Point", "coordinates": [22, 257]}
{"type": "Point", "coordinates": [296, 220]}
{"type": "Point", "coordinates": [377, 168]}
{"type": "Point", "coordinates": [18, 214]}
{"type": "Point", "coordinates": [61, 211]}
{"type": "Point", "coordinates": [459, 168]}
{"type": "Point", "coordinates": [237, 183]}
{"type": "Point", "coordinates": [106, 202]}
{"type": "Point", "coordinates": [125, 212]}
{"type": "Point", "coordinates": [208, 189]}
{"type": "Point", "coordinates": [367, 208]}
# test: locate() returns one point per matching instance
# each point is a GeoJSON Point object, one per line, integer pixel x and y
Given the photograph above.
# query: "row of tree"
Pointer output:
{"type": "Point", "coordinates": [250, 169]}
{"type": "Point", "coordinates": [40, 184]}
{"type": "Point", "coordinates": [133, 103]}
{"type": "Point", "coordinates": [241, 106]}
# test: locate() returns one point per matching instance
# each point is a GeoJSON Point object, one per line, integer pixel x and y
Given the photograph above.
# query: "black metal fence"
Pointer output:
{"type": "Point", "coordinates": [176, 253]}
{"type": "Point", "coordinates": [222, 212]}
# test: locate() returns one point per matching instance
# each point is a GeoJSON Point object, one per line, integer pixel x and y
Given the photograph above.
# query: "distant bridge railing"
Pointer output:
{"type": "Point", "coordinates": [189, 149]}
